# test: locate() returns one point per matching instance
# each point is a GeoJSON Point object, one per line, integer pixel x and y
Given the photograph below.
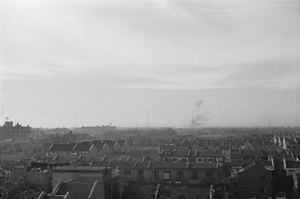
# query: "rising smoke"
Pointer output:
{"type": "Point", "coordinates": [198, 118]}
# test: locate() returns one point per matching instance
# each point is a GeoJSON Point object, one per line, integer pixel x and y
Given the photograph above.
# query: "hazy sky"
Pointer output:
{"type": "Point", "coordinates": [98, 62]}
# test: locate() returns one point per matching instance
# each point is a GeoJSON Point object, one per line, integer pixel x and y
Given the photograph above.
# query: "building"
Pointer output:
{"type": "Point", "coordinates": [109, 180]}
{"type": "Point", "coordinates": [253, 181]}
{"type": "Point", "coordinates": [17, 132]}
{"type": "Point", "coordinates": [72, 189]}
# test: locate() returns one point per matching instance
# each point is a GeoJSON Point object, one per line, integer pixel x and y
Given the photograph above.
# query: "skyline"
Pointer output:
{"type": "Point", "coordinates": [100, 62]}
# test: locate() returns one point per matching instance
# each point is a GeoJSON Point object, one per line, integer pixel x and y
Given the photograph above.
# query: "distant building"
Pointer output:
{"type": "Point", "coordinates": [70, 137]}
{"type": "Point", "coordinates": [181, 172]}
{"type": "Point", "coordinates": [95, 130]}
{"type": "Point", "coordinates": [17, 132]}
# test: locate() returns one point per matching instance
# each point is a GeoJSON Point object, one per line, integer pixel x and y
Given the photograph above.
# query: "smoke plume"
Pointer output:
{"type": "Point", "coordinates": [198, 118]}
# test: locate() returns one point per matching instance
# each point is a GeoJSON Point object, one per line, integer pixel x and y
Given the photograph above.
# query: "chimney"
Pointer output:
{"type": "Point", "coordinates": [211, 190]}
{"type": "Point", "coordinates": [284, 162]}
{"type": "Point", "coordinates": [272, 160]}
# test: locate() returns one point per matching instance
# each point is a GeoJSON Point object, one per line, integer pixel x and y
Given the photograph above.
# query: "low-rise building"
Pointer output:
{"type": "Point", "coordinates": [252, 181]}
{"type": "Point", "coordinates": [109, 180]}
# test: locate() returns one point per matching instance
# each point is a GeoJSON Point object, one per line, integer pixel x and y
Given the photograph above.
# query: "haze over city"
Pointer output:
{"type": "Point", "coordinates": [68, 63]}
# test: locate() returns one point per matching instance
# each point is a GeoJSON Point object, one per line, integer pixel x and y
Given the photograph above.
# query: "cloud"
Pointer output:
{"type": "Point", "coordinates": [153, 44]}
{"type": "Point", "coordinates": [280, 74]}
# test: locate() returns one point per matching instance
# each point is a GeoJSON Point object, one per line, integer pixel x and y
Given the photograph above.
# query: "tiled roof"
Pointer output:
{"type": "Point", "coordinates": [64, 158]}
{"type": "Point", "coordinates": [100, 163]}
{"type": "Point", "coordinates": [263, 163]}
{"type": "Point", "coordinates": [184, 165]}
{"type": "Point", "coordinates": [184, 192]}
{"type": "Point", "coordinates": [121, 142]}
{"type": "Point", "coordinates": [253, 164]}
{"type": "Point", "coordinates": [166, 146]}
{"type": "Point", "coordinates": [62, 147]}
{"type": "Point", "coordinates": [292, 164]}
{"type": "Point", "coordinates": [58, 147]}
{"type": "Point", "coordinates": [278, 165]}
{"type": "Point", "coordinates": [79, 168]}
{"type": "Point", "coordinates": [110, 143]}
{"type": "Point", "coordinates": [122, 165]}
{"type": "Point", "coordinates": [143, 165]}
{"type": "Point", "coordinates": [98, 144]}
{"type": "Point", "coordinates": [203, 165]}
{"type": "Point", "coordinates": [210, 153]}
{"type": "Point", "coordinates": [54, 197]}
{"type": "Point", "coordinates": [83, 146]}
{"type": "Point", "coordinates": [184, 153]}
{"type": "Point", "coordinates": [253, 152]}
{"type": "Point", "coordinates": [139, 191]}
{"type": "Point", "coordinates": [77, 190]}
{"type": "Point", "coordinates": [237, 163]}
{"type": "Point", "coordinates": [170, 165]}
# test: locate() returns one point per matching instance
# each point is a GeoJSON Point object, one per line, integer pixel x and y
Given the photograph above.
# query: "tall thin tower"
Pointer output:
{"type": "Point", "coordinates": [147, 120]}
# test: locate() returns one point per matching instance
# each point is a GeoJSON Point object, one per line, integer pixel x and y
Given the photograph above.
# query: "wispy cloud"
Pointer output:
{"type": "Point", "coordinates": [153, 44]}
{"type": "Point", "coordinates": [274, 74]}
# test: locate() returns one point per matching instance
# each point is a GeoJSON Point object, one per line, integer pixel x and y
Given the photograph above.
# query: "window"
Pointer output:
{"type": "Point", "coordinates": [194, 175]}
{"type": "Point", "coordinates": [140, 173]}
{"type": "Point", "coordinates": [209, 174]}
{"type": "Point", "coordinates": [109, 188]}
{"type": "Point", "coordinates": [263, 190]}
{"type": "Point", "coordinates": [155, 174]}
{"type": "Point", "coordinates": [174, 159]}
{"type": "Point", "coordinates": [166, 175]}
{"type": "Point", "coordinates": [180, 175]}
{"type": "Point", "coordinates": [184, 159]}
{"type": "Point", "coordinates": [262, 178]}
{"type": "Point", "coordinates": [127, 173]}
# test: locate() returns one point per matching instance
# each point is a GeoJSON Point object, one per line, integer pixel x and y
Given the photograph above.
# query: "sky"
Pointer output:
{"type": "Point", "coordinates": [87, 63]}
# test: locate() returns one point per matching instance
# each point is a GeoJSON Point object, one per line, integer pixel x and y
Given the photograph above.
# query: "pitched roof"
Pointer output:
{"type": "Point", "coordinates": [143, 165]}
{"type": "Point", "coordinates": [54, 197]}
{"type": "Point", "coordinates": [62, 147]}
{"type": "Point", "coordinates": [263, 163]}
{"type": "Point", "coordinates": [170, 165]}
{"type": "Point", "coordinates": [82, 146]}
{"type": "Point", "coordinates": [253, 164]}
{"type": "Point", "coordinates": [110, 143]}
{"type": "Point", "coordinates": [278, 165]}
{"type": "Point", "coordinates": [185, 192]}
{"type": "Point", "coordinates": [237, 163]}
{"type": "Point", "coordinates": [210, 153]}
{"type": "Point", "coordinates": [122, 165]}
{"type": "Point", "coordinates": [292, 164]}
{"type": "Point", "coordinates": [138, 191]}
{"type": "Point", "coordinates": [98, 144]}
{"type": "Point", "coordinates": [121, 142]}
{"type": "Point", "coordinates": [100, 163]}
{"type": "Point", "coordinates": [184, 153]}
{"type": "Point", "coordinates": [79, 168]}
{"type": "Point", "coordinates": [77, 190]}
{"type": "Point", "coordinates": [253, 152]}
{"type": "Point", "coordinates": [203, 165]}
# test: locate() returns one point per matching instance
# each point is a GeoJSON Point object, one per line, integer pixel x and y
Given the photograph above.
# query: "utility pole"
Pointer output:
{"type": "Point", "coordinates": [147, 120]}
